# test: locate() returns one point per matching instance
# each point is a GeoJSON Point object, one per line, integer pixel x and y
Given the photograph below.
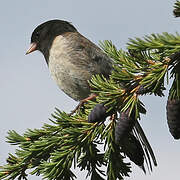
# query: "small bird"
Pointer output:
{"type": "Point", "coordinates": [72, 59]}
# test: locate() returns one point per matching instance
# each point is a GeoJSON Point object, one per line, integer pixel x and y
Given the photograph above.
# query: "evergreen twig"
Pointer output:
{"type": "Point", "coordinates": [176, 11]}
{"type": "Point", "coordinates": [70, 141]}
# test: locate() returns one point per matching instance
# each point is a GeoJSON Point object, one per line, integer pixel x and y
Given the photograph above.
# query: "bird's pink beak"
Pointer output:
{"type": "Point", "coordinates": [33, 47]}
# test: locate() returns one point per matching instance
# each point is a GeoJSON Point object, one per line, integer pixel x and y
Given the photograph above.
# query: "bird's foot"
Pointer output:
{"type": "Point", "coordinates": [81, 103]}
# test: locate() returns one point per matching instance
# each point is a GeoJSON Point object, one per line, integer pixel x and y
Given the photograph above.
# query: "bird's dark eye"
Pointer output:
{"type": "Point", "coordinates": [37, 35]}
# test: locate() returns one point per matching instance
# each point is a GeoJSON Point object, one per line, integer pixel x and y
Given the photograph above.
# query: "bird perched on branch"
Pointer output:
{"type": "Point", "coordinates": [72, 60]}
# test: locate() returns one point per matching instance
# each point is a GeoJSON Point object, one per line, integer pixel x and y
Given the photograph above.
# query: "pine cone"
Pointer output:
{"type": "Point", "coordinates": [173, 117]}
{"type": "Point", "coordinates": [124, 125]}
{"type": "Point", "coordinates": [98, 114]}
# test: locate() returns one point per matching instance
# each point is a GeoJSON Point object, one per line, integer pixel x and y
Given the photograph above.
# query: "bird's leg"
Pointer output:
{"type": "Point", "coordinates": [112, 117]}
{"type": "Point", "coordinates": [81, 103]}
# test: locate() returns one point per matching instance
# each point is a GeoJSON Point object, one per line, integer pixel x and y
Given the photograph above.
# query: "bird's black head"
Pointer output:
{"type": "Point", "coordinates": [43, 36]}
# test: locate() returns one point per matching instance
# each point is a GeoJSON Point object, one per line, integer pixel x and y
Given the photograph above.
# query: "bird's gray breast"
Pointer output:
{"type": "Point", "coordinates": [69, 77]}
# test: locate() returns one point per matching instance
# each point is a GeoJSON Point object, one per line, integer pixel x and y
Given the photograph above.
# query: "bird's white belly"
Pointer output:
{"type": "Point", "coordinates": [66, 74]}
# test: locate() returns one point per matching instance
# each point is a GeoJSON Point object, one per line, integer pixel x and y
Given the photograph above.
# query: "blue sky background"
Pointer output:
{"type": "Point", "coordinates": [28, 95]}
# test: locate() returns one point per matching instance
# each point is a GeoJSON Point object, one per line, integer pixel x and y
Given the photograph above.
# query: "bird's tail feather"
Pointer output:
{"type": "Point", "coordinates": [148, 151]}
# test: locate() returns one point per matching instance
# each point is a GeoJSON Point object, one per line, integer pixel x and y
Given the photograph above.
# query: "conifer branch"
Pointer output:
{"type": "Point", "coordinates": [176, 11]}
{"type": "Point", "coordinates": [70, 141]}
{"type": "Point", "coordinates": [163, 44]}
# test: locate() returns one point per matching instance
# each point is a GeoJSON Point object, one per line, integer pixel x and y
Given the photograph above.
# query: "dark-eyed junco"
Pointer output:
{"type": "Point", "coordinates": [72, 59]}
